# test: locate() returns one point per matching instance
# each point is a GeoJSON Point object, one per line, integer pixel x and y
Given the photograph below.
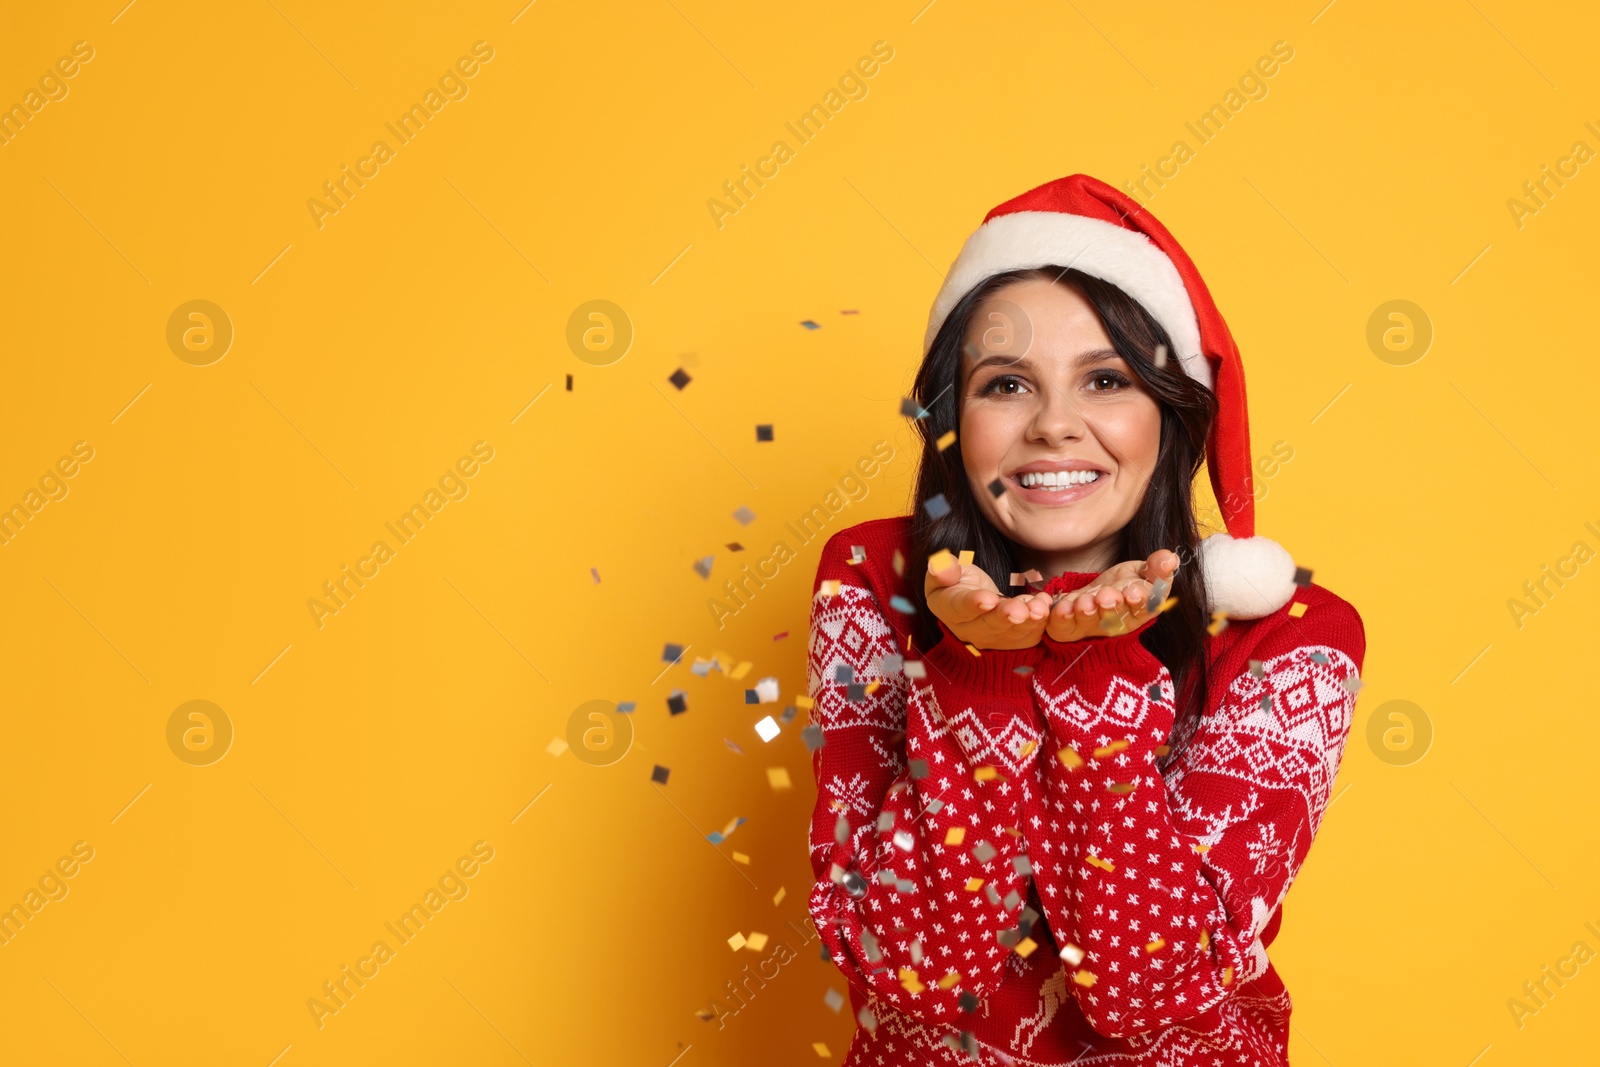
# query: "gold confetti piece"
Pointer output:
{"type": "Point", "coordinates": [1205, 940]}
{"type": "Point", "coordinates": [1297, 609]}
{"type": "Point", "coordinates": [974, 884]}
{"type": "Point", "coordinates": [803, 702]}
{"type": "Point", "coordinates": [1162, 750]}
{"type": "Point", "coordinates": [1025, 749]}
{"type": "Point", "coordinates": [1072, 954]}
{"type": "Point", "coordinates": [946, 439]}
{"type": "Point", "coordinates": [1227, 975]}
{"type": "Point", "coordinates": [1120, 788]}
{"type": "Point", "coordinates": [1167, 604]}
{"type": "Point", "coordinates": [755, 942]}
{"type": "Point", "coordinates": [966, 557]}
{"type": "Point", "coordinates": [949, 980]}
{"type": "Point", "coordinates": [1200, 848]}
{"type": "Point", "coordinates": [872, 686]}
{"type": "Point", "coordinates": [908, 979]}
{"type": "Point", "coordinates": [1095, 861]}
{"type": "Point", "coordinates": [899, 562]}
{"type": "Point", "coordinates": [1157, 945]}
{"type": "Point", "coordinates": [778, 778]}
{"type": "Point", "coordinates": [1012, 831]}
{"type": "Point", "coordinates": [736, 942]}
{"type": "Point", "coordinates": [941, 560]}
{"type": "Point", "coordinates": [974, 650]}
{"type": "Point", "coordinates": [1083, 978]}
{"type": "Point", "coordinates": [1033, 575]}
{"type": "Point", "coordinates": [955, 835]}
{"type": "Point", "coordinates": [984, 774]}
{"type": "Point", "coordinates": [556, 746]}
{"type": "Point", "coordinates": [778, 897]}
{"type": "Point", "coordinates": [822, 1050]}
{"type": "Point", "coordinates": [1217, 625]}
{"type": "Point", "coordinates": [1069, 758]}
{"type": "Point", "coordinates": [1026, 946]}
{"type": "Point", "coordinates": [1110, 750]}
{"type": "Point", "coordinates": [830, 586]}
{"type": "Point", "coordinates": [1353, 684]}
{"type": "Point", "coordinates": [740, 857]}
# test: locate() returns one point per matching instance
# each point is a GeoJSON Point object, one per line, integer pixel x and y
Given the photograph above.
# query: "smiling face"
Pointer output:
{"type": "Point", "coordinates": [1048, 407]}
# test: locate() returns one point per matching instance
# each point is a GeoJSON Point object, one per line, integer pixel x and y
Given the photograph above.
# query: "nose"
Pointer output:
{"type": "Point", "coordinates": [1057, 418]}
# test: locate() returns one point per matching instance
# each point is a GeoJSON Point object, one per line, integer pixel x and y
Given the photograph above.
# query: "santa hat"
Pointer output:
{"type": "Point", "coordinates": [1083, 223]}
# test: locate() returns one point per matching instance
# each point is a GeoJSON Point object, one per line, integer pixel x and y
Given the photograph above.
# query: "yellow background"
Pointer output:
{"type": "Point", "coordinates": [371, 353]}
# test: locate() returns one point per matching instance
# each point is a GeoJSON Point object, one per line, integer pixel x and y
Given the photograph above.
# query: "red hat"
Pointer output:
{"type": "Point", "coordinates": [1083, 223]}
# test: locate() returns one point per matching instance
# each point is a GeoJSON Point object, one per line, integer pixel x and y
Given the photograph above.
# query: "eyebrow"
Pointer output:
{"type": "Point", "coordinates": [1084, 359]}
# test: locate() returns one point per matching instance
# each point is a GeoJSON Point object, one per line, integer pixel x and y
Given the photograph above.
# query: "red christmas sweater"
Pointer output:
{"type": "Point", "coordinates": [1003, 873]}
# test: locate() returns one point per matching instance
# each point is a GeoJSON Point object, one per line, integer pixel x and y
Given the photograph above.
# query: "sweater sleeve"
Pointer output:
{"type": "Point", "coordinates": [1158, 890]}
{"type": "Point", "coordinates": [918, 856]}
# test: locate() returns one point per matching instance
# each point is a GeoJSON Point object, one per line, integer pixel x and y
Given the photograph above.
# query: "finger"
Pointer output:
{"type": "Point", "coordinates": [945, 567]}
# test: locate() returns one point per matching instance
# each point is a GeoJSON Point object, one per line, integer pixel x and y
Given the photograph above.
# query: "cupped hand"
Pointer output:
{"type": "Point", "coordinates": [1121, 600]}
{"type": "Point", "coordinates": [964, 597]}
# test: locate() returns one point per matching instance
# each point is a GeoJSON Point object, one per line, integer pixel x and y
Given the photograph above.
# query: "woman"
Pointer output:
{"type": "Point", "coordinates": [1072, 754]}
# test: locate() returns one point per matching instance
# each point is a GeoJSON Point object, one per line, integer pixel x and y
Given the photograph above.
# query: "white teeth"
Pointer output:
{"type": "Point", "coordinates": [1057, 479]}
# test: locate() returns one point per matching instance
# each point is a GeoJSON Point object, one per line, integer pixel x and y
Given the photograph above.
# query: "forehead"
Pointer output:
{"type": "Point", "coordinates": [1038, 317]}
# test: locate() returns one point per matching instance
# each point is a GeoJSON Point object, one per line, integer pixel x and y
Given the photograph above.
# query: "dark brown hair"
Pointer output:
{"type": "Point", "coordinates": [1165, 518]}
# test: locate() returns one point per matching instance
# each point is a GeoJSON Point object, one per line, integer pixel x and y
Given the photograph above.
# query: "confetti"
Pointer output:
{"type": "Point", "coordinates": [741, 670]}
{"type": "Point", "coordinates": [680, 378]}
{"type": "Point", "coordinates": [1072, 954]}
{"type": "Point", "coordinates": [946, 439]}
{"type": "Point", "coordinates": [908, 979]}
{"type": "Point", "coordinates": [764, 431]}
{"type": "Point", "coordinates": [902, 605]}
{"type": "Point", "coordinates": [941, 560]}
{"type": "Point", "coordinates": [812, 736]}
{"type": "Point", "coordinates": [1227, 975]}
{"type": "Point", "coordinates": [915, 669]}
{"type": "Point", "coordinates": [1302, 577]}
{"type": "Point", "coordinates": [1111, 749]}
{"type": "Point", "coordinates": [1026, 946]}
{"type": "Point", "coordinates": [596, 572]}
{"type": "Point", "coordinates": [672, 653]}
{"type": "Point", "coordinates": [1161, 356]}
{"type": "Point", "coordinates": [1256, 669]}
{"type": "Point", "coordinates": [1353, 684]}
{"type": "Point", "coordinates": [899, 563]}
{"type": "Point", "coordinates": [702, 567]}
{"type": "Point", "coordinates": [734, 546]}
{"type": "Point", "coordinates": [768, 728]}
{"type": "Point", "coordinates": [659, 774]}
{"type": "Point", "coordinates": [808, 324]}
{"type": "Point", "coordinates": [1205, 940]}
{"type": "Point", "coordinates": [997, 487]}
{"type": "Point", "coordinates": [984, 774]}
{"type": "Point", "coordinates": [1157, 945]}
{"type": "Point", "coordinates": [755, 942]}
{"type": "Point", "coordinates": [1069, 758]}
{"type": "Point", "coordinates": [911, 409]}
{"type": "Point", "coordinates": [918, 768]}
{"type": "Point", "coordinates": [740, 857]}
{"type": "Point", "coordinates": [780, 636]}
{"type": "Point", "coordinates": [569, 383]}
{"type": "Point", "coordinates": [626, 707]}
{"type": "Point", "coordinates": [717, 837]}
{"type": "Point", "coordinates": [1121, 788]}
{"type": "Point", "coordinates": [967, 556]}
{"type": "Point", "coordinates": [778, 778]}
{"type": "Point", "coordinates": [1219, 622]}
{"type": "Point", "coordinates": [731, 744]}
{"type": "Point", "coordinates": [1095, 861]}
{"type": "Point", "coordinates": [1297, 609]}
{"type": "Point", "coordinates": [745, 516]}
{"type": "Point", "coordinates": [949, 980]}
{"type": "Point", "coordinates": [736, 942]}
{"type": "Point", "coordinates": [955, 835]}
{"type": "Point", "coordinates": [678, 702]}
{"type": "Point", "coordinates": [833, 999]}
{"type": "Point", "coordinates": [778, 897]}
{"type": "Point", "coordinates": [1318, 657]}
{"type": "Point", "coordinates": [822, 1050]}
{"type": "Point", "coordinates": [936, 506]}
{"type": "Point", "coordinates": [556, 746]}
{"type": "Point", "coordinates": [849, 311]}
{"type": "Point", "coordinates": [1083, 978]}
{"type": "Point", "coordinates": [830, 587]}
{"type": "Point", "coordinates": [974, 884]}
{"type": "Point", "coordinates": [983, 852]}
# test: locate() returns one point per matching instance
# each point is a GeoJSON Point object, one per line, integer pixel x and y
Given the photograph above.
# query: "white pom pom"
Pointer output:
{"type": "Point", "coordinates": [1246, 577]}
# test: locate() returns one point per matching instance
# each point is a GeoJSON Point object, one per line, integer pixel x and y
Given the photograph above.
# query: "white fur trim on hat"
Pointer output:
{"type": "Point", "coordinates": [1125, 258]}
{"type": "Point", "coordinates": [1246, 577]}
